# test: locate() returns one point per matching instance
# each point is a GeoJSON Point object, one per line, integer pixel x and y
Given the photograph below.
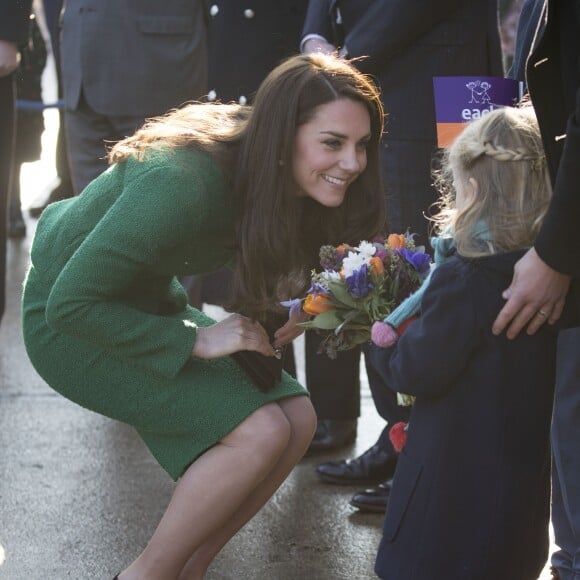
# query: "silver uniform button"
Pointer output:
{"type": "Point", "coordinates": [242, 100]}
{"type": "Point", "coordinates": [249, 13]}
{"type": "Point", "coordinates": [214, 9]}
{"type": "Point", "coordinates": [211, 96]}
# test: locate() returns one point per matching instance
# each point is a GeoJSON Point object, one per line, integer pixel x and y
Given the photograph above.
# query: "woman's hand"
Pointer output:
{"type": "Point", "coordinates": [290, 330]}
{"type": "Point", "coordinates": [230, 335]}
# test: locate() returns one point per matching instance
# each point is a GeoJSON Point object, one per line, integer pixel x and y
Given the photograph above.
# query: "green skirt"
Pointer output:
{"type": "Point", "coordinates": [177, 418]}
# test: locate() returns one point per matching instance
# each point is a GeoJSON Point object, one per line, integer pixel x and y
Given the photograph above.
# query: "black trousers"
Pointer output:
{"type": "Point", "coordinates": [384, 395]}
{"type": "Point", "coordinates": [52, 9]}
{"type": "Point", "coordinates": [334, 384]}
{"type": "Point", "coordinates": [7, 117]}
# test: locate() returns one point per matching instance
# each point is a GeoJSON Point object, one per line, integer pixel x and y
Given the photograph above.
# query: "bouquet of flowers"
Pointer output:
{"type": "Point", "coordinates": [359, 286]}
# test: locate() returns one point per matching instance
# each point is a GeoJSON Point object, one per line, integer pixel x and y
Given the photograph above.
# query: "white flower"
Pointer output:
{"type": "Point", "coordinates": [330, 275]}
{"type": "Point", "coordinates": [353, 262]}
{"type": "Point", "coordinates": [366, 249]}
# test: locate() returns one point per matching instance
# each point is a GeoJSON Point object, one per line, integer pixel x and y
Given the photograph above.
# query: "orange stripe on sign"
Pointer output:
{"type": "Point", "coordinates": [446, 133]}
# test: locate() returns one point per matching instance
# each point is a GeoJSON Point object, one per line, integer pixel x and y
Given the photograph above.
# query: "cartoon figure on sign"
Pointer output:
{"type": "Point", "coordinates": [472, 85]}
{"type": "Point", "coordinates": [483, 93]}
{"type": "Point", "coordinates": [479, 91]}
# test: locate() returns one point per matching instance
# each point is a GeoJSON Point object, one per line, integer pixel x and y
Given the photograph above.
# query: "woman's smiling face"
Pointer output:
{"type": "Point", "coordinates": [330, 151]}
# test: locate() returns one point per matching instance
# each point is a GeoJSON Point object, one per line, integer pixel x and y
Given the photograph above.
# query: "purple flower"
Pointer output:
{"type": "Point", "coordinates": [358, 284]}
{"type": "Point", "coordinates": [295, 306]}
{"type": "Point", "coordinates": [317, 288]}
{"type": "Point", "coordinates": [418, 260]}
{"type": "Point", "coordinates": [381, 254]}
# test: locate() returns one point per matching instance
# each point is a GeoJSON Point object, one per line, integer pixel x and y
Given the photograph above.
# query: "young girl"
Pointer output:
{"type": "Point", "coordinates": [470, 497]}
{"type": "Point", "coordinates": [106, 323]}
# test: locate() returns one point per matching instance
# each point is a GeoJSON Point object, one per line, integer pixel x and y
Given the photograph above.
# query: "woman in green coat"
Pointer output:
{"type": "Point", "coordinates": [107, 324]}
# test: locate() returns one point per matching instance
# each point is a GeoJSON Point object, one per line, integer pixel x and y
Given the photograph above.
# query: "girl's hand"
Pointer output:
{"type": "Point", "coordinates": [230, 335]}
{"type": "Point", "coordinates": [290, 330]}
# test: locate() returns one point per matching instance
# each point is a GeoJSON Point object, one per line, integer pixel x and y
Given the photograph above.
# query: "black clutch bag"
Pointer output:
{"type": "Point", "coordinates": [264, 371]}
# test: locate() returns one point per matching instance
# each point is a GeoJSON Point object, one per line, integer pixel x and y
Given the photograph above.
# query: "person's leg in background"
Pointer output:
{"type": "Point", "coordinates": [566, 458]}
{"type": "Point", "coordinates": [334, 387]}
{"type": "Point", "coordinates": [87, 134]}
{"type": "Point", "coordinates": [7, 97]}
{"type": "Point", "coordinates": [29, 119]}
{"type": "Point", "coordinates": [64, 189]}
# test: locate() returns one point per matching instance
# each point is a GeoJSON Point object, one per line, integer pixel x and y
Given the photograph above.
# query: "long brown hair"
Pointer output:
{"type": "Point", "coordinates": [210, 127]}
{"type": "Point", "coordinates": [278, 232]}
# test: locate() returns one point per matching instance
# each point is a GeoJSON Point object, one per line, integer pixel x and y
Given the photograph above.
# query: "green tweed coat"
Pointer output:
{"type": "Point", "coordinates": [107, 324]}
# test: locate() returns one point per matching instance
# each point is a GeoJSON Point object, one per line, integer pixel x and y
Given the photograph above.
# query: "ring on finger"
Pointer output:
{"type": "Point", "coordinates": [542, 313]}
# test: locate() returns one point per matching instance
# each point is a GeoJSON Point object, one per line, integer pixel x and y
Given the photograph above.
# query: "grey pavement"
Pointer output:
{"type": "Point", "coordinates": [80, 494]}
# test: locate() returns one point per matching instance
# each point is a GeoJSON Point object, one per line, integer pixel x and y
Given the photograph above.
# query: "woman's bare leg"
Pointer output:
{"type": "Point", "coordinates": [302, 419]}
{"type": "Point", "coordinates": [211, 491]}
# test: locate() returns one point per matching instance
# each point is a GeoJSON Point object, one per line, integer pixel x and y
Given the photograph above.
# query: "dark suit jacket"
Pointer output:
{"type": "Point", "coordinates": [247, 40]}
{"type": "Point", "coordinates": [527, 26]}
{"type": "Point", "coordinates": [408, 43]}
{"type": "Point", "coordinates": [470, 497]}
{"type": "Point", "coordinates": [133, 57]}
{"type": "Point", "coordinates": [14, 20]}
{"type": "Point", "coordinates": [553, 77]}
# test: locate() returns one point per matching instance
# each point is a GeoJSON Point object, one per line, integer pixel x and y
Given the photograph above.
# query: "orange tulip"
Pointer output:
{"type": "Point", "coordinates": [396, 241]}
{"type": "Point", "coordinates": [377, 265]}
{"type": "Point", "coordinates": [316, 303]}
{"type": "Point", "coordinates": [343, 249]}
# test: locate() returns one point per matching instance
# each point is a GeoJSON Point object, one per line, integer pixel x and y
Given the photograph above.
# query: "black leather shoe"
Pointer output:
{"type": "Point", "coordinates": [332, 434]}
{"type": "Point", "coordinates": [372, 467]}
{"type": "Point", "coordinates": [374, 499]}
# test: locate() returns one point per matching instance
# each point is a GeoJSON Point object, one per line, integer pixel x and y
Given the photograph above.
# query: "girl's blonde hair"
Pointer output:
{"type": "Point", "coordinates": [503, 152]}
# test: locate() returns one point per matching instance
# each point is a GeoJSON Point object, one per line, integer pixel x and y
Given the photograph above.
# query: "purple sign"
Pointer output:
{"type": "Point", "coordinates": [459, 100]}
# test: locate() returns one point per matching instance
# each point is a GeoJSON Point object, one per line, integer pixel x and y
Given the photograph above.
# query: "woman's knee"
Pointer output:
{"type": "Point", "coordinates": [301, 416]}
{"type": "Point", "coordinates": [266, 431]}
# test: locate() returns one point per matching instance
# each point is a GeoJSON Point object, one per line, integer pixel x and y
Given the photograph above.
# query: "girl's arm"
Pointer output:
{"type": "Point", "coordinates": [436, 347]}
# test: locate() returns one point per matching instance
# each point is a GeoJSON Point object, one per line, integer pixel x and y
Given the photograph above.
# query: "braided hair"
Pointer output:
{"type": "Point", "coordinates": [503, 152]}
